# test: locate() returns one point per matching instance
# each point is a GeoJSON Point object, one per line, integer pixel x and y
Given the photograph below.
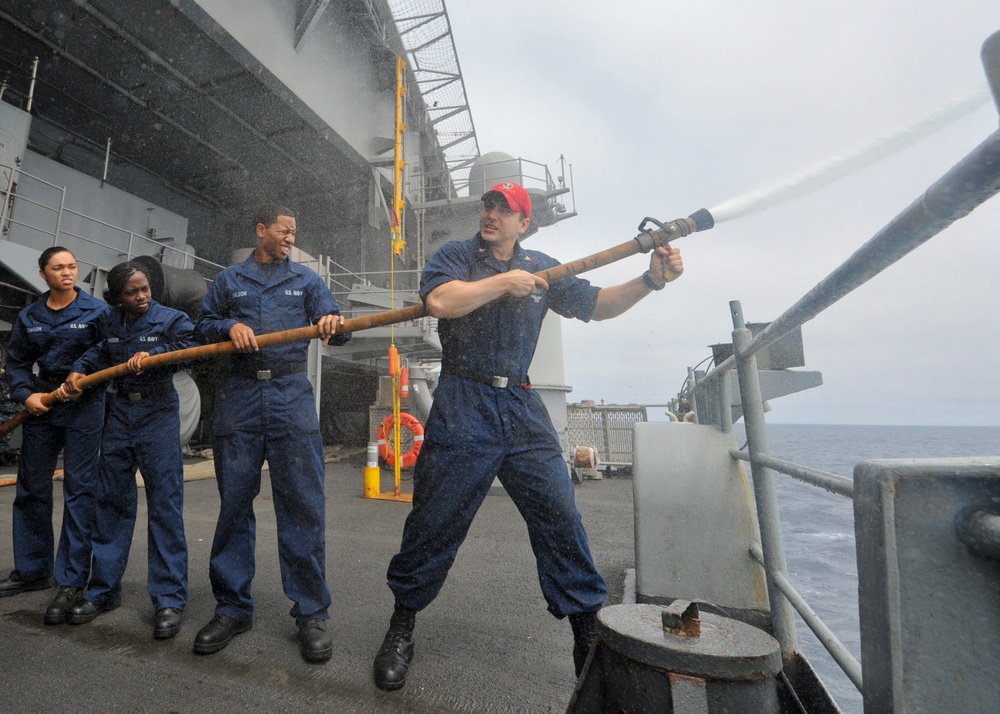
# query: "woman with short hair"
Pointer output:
{"type": "Point", "coordinates": [52, 333]}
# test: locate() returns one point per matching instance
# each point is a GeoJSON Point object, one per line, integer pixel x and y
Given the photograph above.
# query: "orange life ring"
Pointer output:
{"type": "Point", "coordinates": [385, 440]}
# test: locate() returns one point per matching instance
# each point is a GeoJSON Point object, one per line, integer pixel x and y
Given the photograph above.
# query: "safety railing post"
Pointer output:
{"type": "Point", "coordinates": [6, 197]}
{"type": "Point", "coordinates": [59, 215]}
{"type": "Point", "coordinates": [772, 542]}
{"type": "Point", "coordinates": [695, 399]}
{"type": "Point", "coordinates": [725, 406]}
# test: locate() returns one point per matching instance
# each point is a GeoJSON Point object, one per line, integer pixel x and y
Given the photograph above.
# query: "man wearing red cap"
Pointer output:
{"type": "Point", "coordinates": [487, 423]}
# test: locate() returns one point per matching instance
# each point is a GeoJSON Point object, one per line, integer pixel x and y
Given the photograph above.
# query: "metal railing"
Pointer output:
{"type": "Point", "coordinates": [375, 281]}
{"type": "Point", "coordinates": [445, 184]}
{"type": "Point", "coordinates": [127, 246]}
{"type": "Point", "coordinates": [972, 181]}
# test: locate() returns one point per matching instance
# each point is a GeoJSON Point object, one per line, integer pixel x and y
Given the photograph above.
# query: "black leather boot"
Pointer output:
{"type": "Point", "coordinates": [10, 587]}
{"type": "Point", "coordinates": [59, 609]}
{"type": "Point", "coordinates": [584, 626]}
{"type": "Point", "coordinates": [315, 643]}
{"type": "Point", "coordinates": [393, 659]}
{"type": "Point", "coordinates": [84, 610]}
{"type": "Point", "coordinates": [218, 633]}
{"type": "Point", "coordinates": [166, 623]}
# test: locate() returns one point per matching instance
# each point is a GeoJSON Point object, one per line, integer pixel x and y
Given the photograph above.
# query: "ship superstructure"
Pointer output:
{"type": "Point", "coordinates": [155, 128]}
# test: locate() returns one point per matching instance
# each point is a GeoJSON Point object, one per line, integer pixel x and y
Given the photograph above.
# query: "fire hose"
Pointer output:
{"type": "Point", "coordinates": [644, 242]}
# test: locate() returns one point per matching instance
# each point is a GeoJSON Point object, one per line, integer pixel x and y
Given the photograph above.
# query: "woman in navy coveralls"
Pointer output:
{"type": "Point", "coordinates": [142, 431]}
{"type": "Point", "coordinates": [53, 332]}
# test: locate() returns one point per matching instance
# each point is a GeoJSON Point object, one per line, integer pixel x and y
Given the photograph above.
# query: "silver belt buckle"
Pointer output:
{"type": "Point", "coordinates": [134, 396]}
{"type": "Point", "coordinates": [498, 382]}
{"type": "Point", "coordinates": [263, 374]}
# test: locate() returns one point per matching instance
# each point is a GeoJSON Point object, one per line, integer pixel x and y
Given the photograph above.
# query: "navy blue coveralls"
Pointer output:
{"type": "Point", "coordinates": [54, 339]}
{"type": "Point", "coordinates": [477, 431]}
{"type": "Point", "coordinates": [267, 411]}
{"type": "Point", "coordinates": [142, 431]}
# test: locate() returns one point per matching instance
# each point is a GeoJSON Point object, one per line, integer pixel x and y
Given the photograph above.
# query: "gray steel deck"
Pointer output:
{"type": "Point", "coordinates": [487, 644]}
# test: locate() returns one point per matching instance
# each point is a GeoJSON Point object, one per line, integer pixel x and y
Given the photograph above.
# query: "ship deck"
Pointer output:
{"type": "Point", "coordinates": [487, 644]}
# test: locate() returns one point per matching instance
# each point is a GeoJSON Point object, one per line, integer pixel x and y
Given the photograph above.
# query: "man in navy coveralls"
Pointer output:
{"type": "Point", "coordinates": [267, 411]}
{"type": "Point", "coordinates": [486, 422]}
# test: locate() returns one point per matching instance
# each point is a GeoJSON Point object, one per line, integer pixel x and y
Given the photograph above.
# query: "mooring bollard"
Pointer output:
{"type": "Point", "coordinates": [676, 659]}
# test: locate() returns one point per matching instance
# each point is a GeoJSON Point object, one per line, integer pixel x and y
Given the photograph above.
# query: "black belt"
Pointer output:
{"type": "Point", "coordinates": [143, 391]}
{"type": "Point", "coordinates": [493, 380]}
{"type": "Point", "coordinates": [274, 373]}
{"type": "Point", "coordinates": [49, 382]}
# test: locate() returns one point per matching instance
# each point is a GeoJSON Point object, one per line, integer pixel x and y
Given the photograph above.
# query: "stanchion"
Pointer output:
{"type": "Point", "coordinates": [373, 474]}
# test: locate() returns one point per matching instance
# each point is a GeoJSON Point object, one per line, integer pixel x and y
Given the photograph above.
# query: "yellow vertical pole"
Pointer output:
{"type": "Point", "coordinates": [398, 244]}
{"type": "Point", "coordinates": [399, 164]}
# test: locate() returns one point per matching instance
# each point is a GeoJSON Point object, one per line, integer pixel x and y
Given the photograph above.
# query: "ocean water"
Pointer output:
{"type": "Point", "coordinates": [818, 526]}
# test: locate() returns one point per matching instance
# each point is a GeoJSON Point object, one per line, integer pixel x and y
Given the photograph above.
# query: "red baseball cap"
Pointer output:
{"type": "Point", "coordinates": [517, 198]}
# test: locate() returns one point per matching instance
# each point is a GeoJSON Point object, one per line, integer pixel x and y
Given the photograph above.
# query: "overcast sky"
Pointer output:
{"type": "Point", "coordinates": [663, 108]}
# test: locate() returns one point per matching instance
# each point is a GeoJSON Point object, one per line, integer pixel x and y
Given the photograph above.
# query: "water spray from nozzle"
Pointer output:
{"type": "Point", "coordinates": [826, 172]}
